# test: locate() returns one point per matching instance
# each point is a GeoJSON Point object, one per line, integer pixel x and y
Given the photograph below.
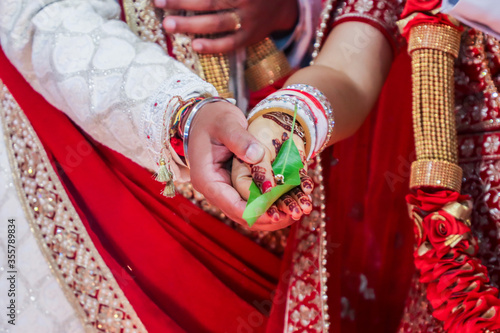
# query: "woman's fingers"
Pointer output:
{"type": "Point", "coordinates": [262, 174]}
{"type": "Point", "coordinates": [274, 213]}
{"type": "Point", "coordinates": [302, 199]}
{"type": "Point", "coordinates": [289, 206]}
{"type": "Point", "coordinates": [306, 182]}
{"type": "Point", "coordinates": [265, 223]}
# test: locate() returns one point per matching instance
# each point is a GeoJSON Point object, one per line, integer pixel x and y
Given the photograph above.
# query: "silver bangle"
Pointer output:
{"type": "Point", "coordinates": [192, 114]}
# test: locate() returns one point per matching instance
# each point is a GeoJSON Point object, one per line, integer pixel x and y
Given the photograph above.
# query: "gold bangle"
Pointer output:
{"type": "Point", "coordinates": [265, 65]}
{"type": "Point", "coordinates": [267, 71]}
{"type": "Point", "coordinates": [237, 21]}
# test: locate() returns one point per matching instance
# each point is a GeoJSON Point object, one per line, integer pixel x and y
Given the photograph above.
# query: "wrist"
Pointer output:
{"type": "Point", "coordinates": [314, 113]}
{"type": "Point", "coordinates": [284, 121]}
{"type": "Point", "coordinates": [187, 120]}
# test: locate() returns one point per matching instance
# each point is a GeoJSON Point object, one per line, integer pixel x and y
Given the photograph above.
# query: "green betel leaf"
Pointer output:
{"type": "Point", "coordinates": [287, 163]}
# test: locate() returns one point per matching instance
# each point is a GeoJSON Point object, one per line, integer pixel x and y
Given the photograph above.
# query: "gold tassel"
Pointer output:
{"type": "Point", "coordinates": [169, 190]}
{"type": "Point", "coordinates": [165, 176]}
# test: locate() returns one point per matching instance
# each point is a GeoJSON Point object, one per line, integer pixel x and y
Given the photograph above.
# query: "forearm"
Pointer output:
{"type": "Point", "coordinates": [350, 72]}
{"type": "Point", "coordinates": [88, 64]}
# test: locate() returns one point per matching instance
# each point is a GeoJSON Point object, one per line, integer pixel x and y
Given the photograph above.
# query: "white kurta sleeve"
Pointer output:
{"type": "Point", "coordinates": [300, 43]}
{"type": "Point", "coordinates": [480, 14]}
{"type": "Point", "coordinates": [87, 63]}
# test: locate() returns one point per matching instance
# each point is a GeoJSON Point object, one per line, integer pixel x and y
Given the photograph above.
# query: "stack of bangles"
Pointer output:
{"type": "Point", "coordinates": [181, 120]}
{"type": "Point", "coordinates": [314, 113]}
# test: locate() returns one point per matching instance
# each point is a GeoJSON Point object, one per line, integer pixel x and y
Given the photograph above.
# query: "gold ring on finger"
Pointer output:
{"type": "Point", "coordinates": [237, 21]}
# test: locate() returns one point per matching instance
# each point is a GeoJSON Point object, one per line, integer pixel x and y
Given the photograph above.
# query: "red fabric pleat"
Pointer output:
{"type": "Point", "coordinates": [185, 270]}
{"type": "Point", "coordinates": [367, 216]}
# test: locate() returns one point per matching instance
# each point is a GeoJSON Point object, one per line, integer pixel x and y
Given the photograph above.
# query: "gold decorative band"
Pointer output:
{"type": "Point", "coordinates": [84, 277]}
{"type": "Point", "coordinates": [434, 173]}
{"type": "Point", "coordinates": [267, 71]}
{"type": "Point", "coordinates": [433, 48]}
{"type": "Point", "coordinates": [435, 36]}
{"type": "Point", "coordinates": [265, 65]}
{"type": "Point", "coordinates": [260, 51]}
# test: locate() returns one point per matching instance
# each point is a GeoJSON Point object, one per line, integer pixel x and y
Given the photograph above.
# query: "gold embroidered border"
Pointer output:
{"type": "Point", "coordinates": [144, 20]}
{"type": "Point", "coordinates": [307, 306]}
{"type": "Point", "coordinates": [86, 281]}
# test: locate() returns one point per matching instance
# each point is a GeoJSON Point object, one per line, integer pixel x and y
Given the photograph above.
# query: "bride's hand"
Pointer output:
{"type": "Point", "coordinates": [272, 130]}
{"type": "Point", "coordinates": [218, 131]}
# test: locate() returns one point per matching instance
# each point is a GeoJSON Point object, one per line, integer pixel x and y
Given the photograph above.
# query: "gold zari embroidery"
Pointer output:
{"type": "Point", "coordinates": [87, 282]}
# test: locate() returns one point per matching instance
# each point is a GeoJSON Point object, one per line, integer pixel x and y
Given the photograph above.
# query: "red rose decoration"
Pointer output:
{"type": "Point", "coordinates": [423, 10]}
{"type": "Point", "coordinates": [441, 226]}
{"type": "Point", "coordinates": [427, 19]}
{"type": "Point", "coordinates": [431, 202]}
{"type": "Point", "coordinates": [413, 6]}
{"type": "Point", "coordinates": [457, 284]}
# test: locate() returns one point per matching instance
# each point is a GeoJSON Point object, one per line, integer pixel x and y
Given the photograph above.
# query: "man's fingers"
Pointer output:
{"type": "Point", "coordinates": [241, 178]}
{"type": "Point", "coordinates": [221, 45]}
{"type": "Point", "coordinates": [227, 199]}
{"type": "Point", "coordinates": [262, 175]}
{"type": "Point", "coordinates": [236, 138]}
{"type": "Point", "coordinates": [198, 5]}
{"type": "Point", "coordinates": [201, 24]}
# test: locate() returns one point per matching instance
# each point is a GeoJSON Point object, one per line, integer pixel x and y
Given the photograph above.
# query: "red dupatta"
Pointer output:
{"type": "Point", "coordinates": [181, 269]}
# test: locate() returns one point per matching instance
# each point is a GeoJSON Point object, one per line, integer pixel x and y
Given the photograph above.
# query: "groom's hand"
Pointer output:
{"type": "Point", "coordinates": [219, 130]}
{"type": "Point", "coordinates": [243, 22]}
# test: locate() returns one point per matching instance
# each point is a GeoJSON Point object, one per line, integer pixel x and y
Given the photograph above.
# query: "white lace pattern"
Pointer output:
{"type": "Point", "coordinates": [88, 64]}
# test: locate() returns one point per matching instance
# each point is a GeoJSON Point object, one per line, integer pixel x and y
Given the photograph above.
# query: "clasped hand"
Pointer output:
{"type": "Point", "coordinates": [220, 135]}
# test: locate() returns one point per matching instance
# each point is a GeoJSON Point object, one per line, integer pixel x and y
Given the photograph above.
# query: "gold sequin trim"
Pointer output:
{"type": "Point", "coordinates": [307, 299]}
{"type": "Point", "coordinates": [86, 281]}
{"type": "Point", "coordinates": [436, 174]}
{"type": "Point", "coordinates": [145, 21]}
{"type": "Point", "coordinates": [435, 36]}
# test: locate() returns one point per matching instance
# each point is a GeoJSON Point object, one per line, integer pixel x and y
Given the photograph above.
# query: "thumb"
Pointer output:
{"type": "Point", "coordinates": [241, 143]}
